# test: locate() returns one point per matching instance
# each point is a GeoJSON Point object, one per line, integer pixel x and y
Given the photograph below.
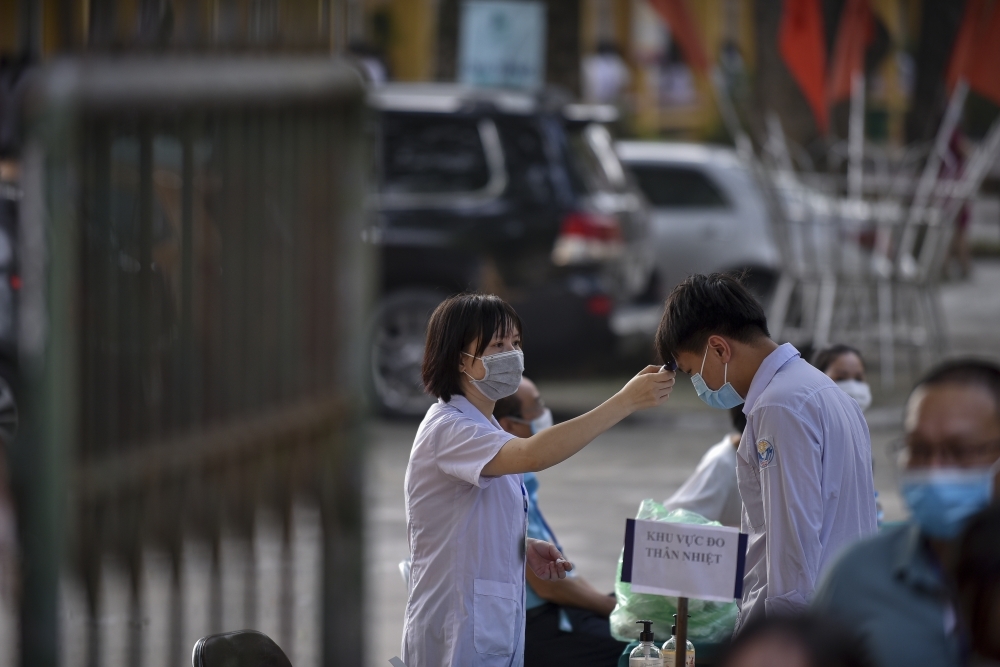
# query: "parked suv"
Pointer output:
{"type": "Point", "coordinates": [511, 193]}
{"type": "Point", "coordinates": [708, 213]}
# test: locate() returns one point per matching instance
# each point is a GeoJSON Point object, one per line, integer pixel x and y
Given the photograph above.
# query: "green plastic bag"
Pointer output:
{"type": "Point", "coordinates": [710, 622]}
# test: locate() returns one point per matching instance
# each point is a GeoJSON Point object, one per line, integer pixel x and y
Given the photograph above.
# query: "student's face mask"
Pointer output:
{"type": "Point", "coordinates": [503, 374]}
{"type": "Point", "coordinates": [943, 499]}
{"type": "Point", "coordinates": [724, 398]}
{"type": "Point", "coordinates": [539, 423]}
{"type": "Point", "coordinates": [859, 391]}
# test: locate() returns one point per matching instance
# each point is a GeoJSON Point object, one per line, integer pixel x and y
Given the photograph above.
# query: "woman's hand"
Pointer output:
{"type": "Point", "coordinates": [545, 560]}
{"type": "Point", "coordinates": [651, 387]}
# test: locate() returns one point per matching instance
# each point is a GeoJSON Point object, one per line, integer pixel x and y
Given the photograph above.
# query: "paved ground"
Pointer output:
{"type": "Point", "coordinates": [588, 498]}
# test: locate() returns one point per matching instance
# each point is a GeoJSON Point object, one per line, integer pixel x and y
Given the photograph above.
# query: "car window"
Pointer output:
{"type": "Point", "coordinates": [432, 155]}
{"type": "Point", "coordinates": [526, 160]}
{"type": "Point", "coordinates": [593, 163]}
{"type": "Point", "coordinates": [673, 187]}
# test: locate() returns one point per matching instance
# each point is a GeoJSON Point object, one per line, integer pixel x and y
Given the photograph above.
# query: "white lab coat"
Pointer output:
{"type": "Point", "coordinates": [466, 534]}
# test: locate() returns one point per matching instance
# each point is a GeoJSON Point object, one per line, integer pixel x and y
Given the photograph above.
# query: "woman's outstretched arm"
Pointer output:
{"type": "Point", "coordinates": [649, 388]}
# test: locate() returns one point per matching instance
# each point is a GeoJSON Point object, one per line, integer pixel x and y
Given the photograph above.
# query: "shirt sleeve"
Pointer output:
{"type": "Point", "coordinates": [790, 460]}
{"type": "Point", "coordinates": [464, 447]}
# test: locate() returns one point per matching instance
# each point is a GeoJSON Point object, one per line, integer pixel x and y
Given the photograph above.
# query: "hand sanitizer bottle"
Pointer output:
{"type": "Point", "coordinates": [670, 649]}
{"type": "Point", "coordinates": [645, 654]}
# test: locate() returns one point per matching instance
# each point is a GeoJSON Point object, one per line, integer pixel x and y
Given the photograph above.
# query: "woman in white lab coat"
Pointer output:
{"type": "Point", "coordinates": [465, 502]}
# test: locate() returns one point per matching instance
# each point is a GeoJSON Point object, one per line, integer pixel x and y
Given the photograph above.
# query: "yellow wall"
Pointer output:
{"type": "Point", "coordinates": [8, 25]}
{"type": "Point", "coordinates": [411, 49]}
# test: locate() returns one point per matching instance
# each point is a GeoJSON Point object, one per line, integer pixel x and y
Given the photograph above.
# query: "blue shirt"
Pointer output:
{"type": "Point", "coordinates": [891, 590]}
{"type": "Point", "coordinates": [538, 528]}
{"type": "Point", "coordinates": [804, 472]}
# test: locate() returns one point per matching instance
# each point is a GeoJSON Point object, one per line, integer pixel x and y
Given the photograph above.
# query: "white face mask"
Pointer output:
{"type": "Point", "coordinates": [859, 391]}
{"type": "Point", "coordinates": [539, 423]}
{"type": "Point", "coordinates": [503, 374]}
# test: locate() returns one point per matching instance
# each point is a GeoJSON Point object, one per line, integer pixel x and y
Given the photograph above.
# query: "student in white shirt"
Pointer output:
{"type": "Point", "coordinates": [804, 462]}
{"type": "Point", "coordinates": [711, 490]}
{"type": "Point", "coordinates": [466, 505]}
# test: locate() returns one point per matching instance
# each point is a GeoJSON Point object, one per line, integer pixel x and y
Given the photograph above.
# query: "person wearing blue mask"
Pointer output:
{"type": "Point", "coordinates": [894, 588]}
{"type": "Point", "coordinates": [566, 622]}
{"type": "Point", "coordinates": [803, 465]}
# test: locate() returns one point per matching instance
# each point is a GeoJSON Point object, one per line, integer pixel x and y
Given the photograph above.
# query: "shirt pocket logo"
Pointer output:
{"type": "Point", "coordinates": [765, 453]}
{"type": "Point", "coordinates": [496, 613]}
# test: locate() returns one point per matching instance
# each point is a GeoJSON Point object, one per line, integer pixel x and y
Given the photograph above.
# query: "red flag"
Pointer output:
{"type": "Point", "coordinates": [853, 35]}
{"type": "Point", "coordinates": [965, 42]}
{"type": "Point", "coordinates": [984, 65]}
{"type": "Point", "coordinates": [684, 30]}
{"type": "Point", "coordinates": [802, 45]}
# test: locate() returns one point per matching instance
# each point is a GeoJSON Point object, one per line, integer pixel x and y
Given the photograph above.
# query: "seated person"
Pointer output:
{"type": "Point", "coordinates": [892, 588]}
{"type": "Point", "coordinates": [711, 490]}
{"type": "Point", "coordinates": [566, 619]}
{"type": "Point", "coordinates": [845, 366]}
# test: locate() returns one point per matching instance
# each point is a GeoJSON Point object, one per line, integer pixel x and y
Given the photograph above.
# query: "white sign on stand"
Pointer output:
{"type": "Point", "coordinates": [502, 44]}
{"type": "Point", "coordinates": [684, 560]}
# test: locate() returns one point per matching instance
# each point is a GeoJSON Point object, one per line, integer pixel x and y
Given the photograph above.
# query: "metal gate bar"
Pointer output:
{"type": "Point", "coordinates": [193, 281]}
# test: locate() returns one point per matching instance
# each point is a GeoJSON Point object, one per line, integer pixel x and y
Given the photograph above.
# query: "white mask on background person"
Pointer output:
{"type": "Point", "coordinates": [539, 423]}
{"type": "Point", "coordinates": [859, 391]}
{"type": "Point", "coordinates": [503, 374]}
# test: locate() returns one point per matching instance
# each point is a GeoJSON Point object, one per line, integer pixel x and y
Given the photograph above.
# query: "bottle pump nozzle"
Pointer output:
{"type": "Point", "coordinates": [647, 632]}
{"type": "Point", "coordinates": [673, 628]}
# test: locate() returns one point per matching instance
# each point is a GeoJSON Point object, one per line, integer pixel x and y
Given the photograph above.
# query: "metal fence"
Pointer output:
{"type": "Point", "coordinates": [192, 281]}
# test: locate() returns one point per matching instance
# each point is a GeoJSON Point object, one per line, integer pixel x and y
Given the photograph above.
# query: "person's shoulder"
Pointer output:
{"type": "Point", "coordinates": [870, 557]}
{"type": "Point", "coordinates": [720, 453]}
{"type": "Point", "coordinates": [800, 387]}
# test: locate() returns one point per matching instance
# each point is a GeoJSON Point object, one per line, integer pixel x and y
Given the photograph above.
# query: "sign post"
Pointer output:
{"type": "Point", "coordinates": [684, 560]}
{"type": "Point", "coordinates": [681, 643]}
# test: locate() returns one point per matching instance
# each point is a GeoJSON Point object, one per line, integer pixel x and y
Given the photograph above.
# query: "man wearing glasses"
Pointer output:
{"type": "Point", "coordinates": [893, 588]}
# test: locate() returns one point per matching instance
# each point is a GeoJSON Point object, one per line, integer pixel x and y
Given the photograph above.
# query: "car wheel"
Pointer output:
{"type": "Point", "coordinates": [396, 352]}
{"type": "Point", "coordinates": [8, 407]}
{"type": "Point", "coordinates": [761, 284]}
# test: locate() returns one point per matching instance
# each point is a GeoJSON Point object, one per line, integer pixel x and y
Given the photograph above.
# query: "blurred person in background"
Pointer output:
{"type": "Point", "coordinates": [566, 619]}
{"type": "Point", "coordinates": [466, 505]}
{"type": "Point", "coordinates": [804, 462]}
{"type": "Point", "coordinates": [712, 490]}
{"type": "Point", "coordinates": [977, 582]}
{"type": "Point", "coordinates": [605, 75]}
{"type": "Point", "coordinates": [796, 641]}
{"type": "Point", "coordinates": [893, 587]}
{"type": "Point", "coordinates": [844, 365]}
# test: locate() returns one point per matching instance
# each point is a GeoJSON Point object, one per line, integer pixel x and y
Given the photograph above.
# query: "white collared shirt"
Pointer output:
{"type": "Point", "coordinates": [711, 489]}
{"type": "Point", "coordinates": [466, 534]}
{"type": "Point", "coordinates": [804, 468]}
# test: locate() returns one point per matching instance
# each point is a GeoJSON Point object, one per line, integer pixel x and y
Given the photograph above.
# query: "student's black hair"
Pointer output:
{"type": "Point", "coordinates": [508, 406]}
{"type": "Point", "coordinates": [825, 357]}
{"type": "Point", "coordinates": [826, 642]}
{"type": "Point", "coordinates": [454, 324]}
{"type": "Point", "coordinates": [702, 306]}
{"type": "Point", "coordinates": [738, 419]}
{"type": "Point", "coordinates": [974, 372]}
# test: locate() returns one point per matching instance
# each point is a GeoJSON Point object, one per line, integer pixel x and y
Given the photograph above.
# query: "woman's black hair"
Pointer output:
{"type": "Point", "coordinates": [454, 324]}
{"type": "Point", "coordinates": [825, 357]}
{"type": "Point", "coordinates": [702, 306]}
